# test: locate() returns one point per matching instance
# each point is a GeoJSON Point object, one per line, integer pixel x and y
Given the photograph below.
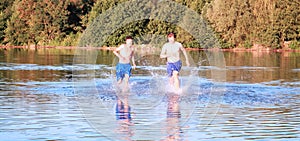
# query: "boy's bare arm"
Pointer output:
{"type": "Point", "coordinates": [133, 61]}
{"type": "Point", "coordinates": [163, 53]}
{"type": "Point", "coordinates": [116, 52]}
{"type": "Point", "coordinates": [185, 55]}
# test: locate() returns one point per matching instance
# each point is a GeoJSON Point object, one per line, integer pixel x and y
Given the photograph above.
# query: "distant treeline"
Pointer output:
{"type": "Point", "coordinates": [236, 23]}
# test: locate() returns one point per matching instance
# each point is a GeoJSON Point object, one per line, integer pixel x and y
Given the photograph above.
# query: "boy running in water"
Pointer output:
{"type": "Point", "coordinates": [125, 53]}
{"type": "Point", "coordinates": [170, 51]}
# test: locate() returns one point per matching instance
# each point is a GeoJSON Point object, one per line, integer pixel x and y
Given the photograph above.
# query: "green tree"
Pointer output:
{"type": "Point", "coordinates": [15, 32]}
{"type": "Point", "coordinates": [79, 13]}
{"type": "Point", "coordinates": [54, 17]}
{"type": "Point", "coordinates": [196, 5]}
{"type": "Point", "coordinates": [37, 22]}
{"type": "Point", "coordinates": [101, 6]}
{"type": "Point", "coordinates": [2, 26]}
{"type": "Point", "coordinates": [241, 23]}
{"type": "Point", "coordinates": [113, 25]}
{"type": "Point", "coordinates": [5, 13]}
{"type": "Point", "coordinates": [286, 21]}
{"type": "Point", "coordinates": [237, 23]}
{"type": "Point", "coordinates": [262, 19]}
{"type": "Point", "coordinates": [222, 15]}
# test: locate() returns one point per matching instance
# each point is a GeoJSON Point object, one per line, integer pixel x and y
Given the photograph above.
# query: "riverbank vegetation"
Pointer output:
{"type": "Point", "coordinates": [238, 24]}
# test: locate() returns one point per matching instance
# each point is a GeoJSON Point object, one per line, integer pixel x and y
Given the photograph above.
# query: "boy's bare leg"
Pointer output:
{"type": "Point", "coordinates": [176, 80]}
{"type": "Point", "coordinates": [119, 85]}
{"type": "Point", "coordinates": [125, 86]}
{"type": "Point", "coordinates": [120, 81]}
{"type": "Point", "coordinates": [171, 81]}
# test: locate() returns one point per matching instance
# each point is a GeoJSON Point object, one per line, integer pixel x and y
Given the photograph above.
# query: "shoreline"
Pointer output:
{"type": "Point", "coordinates": [188, 49]}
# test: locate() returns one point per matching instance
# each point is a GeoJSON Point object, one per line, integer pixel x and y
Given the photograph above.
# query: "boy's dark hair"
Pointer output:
{"type": "Point", "coordinates": [129, 37]}
{"type": "Point", "coordinates": [171, 35]}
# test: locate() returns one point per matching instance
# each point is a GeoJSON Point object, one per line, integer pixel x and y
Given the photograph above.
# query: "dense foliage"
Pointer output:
{"type": "Point", "coordinates": [235, 23]}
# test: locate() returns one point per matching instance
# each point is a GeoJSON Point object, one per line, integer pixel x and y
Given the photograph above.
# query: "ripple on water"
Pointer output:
{"type": "Point", "coordinates": [49, 110]}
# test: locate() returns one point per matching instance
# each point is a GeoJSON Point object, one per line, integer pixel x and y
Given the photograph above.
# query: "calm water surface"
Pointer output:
{"type": "Point", "coordinates": [44, 95]}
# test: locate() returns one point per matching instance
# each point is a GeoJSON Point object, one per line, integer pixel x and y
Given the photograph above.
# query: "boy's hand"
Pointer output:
{"type": "Point", "coordinates": [134, 66]}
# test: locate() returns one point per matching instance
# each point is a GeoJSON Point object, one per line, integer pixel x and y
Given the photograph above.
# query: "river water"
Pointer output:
{"type": "Point", "coordinates": [56, 94]}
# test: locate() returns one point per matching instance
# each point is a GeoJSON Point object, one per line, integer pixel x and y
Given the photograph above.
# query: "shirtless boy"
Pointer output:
{"type": "Point", "coordinates": [125, 53]}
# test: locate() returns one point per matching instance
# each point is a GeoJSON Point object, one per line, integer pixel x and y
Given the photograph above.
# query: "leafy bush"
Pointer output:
{"type": "Point", "coordinates": [295, 44]}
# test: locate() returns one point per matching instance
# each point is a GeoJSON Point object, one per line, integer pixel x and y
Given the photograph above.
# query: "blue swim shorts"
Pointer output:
{"type": "Point", "coordinates": [122, 69]}
{"type": "Point", "coordinates": [173, 67]}
{"type": "Point", "coordinates": [121, 113]}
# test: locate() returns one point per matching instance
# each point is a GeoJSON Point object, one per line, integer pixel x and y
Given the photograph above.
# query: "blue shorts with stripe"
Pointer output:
{"type": "Point", "coordinates": [176, 66]}
{"type": "Point", "coordinates": [122, 69]}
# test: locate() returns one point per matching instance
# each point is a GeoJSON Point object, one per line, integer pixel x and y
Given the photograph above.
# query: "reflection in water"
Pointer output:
{"type": "Point", "coordinates": [173, 129]}
{"type": "Point", "coordinates": [55, 64]}
{"type": "Point", "coordinates": [123, 117]}
{"type": "Point", "coordinates": [123, 110]}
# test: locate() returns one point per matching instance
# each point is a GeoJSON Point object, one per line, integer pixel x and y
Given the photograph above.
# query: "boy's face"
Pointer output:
{"type": "Point", "coordinates": [171, 38]}
{"type": "Point", "coordinates": [129, 41]}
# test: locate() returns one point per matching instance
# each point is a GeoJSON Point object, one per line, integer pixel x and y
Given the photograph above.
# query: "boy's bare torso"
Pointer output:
{"type": "Point", "coordinates": [126, 52]}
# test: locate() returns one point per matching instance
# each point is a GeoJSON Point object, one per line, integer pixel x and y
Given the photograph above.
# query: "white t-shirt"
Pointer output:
{"type": "Point", "coordinates": [172, 51]}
